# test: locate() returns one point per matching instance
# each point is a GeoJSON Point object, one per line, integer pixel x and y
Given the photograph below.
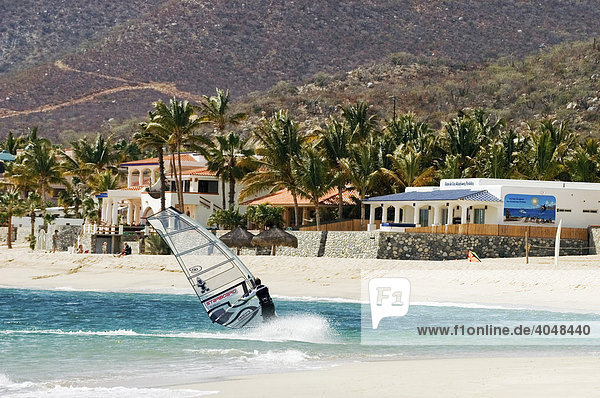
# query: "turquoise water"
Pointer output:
{"type": "Point", "coordinates": [68, 343]}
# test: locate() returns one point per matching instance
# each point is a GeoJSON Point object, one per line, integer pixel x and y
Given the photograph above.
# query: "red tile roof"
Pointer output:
{"type": "Point", "coordinates": [285, 198]}
{"type": "Point", "coordinates": [134, 188]}
{"type": "Point", "coordinates": [201, 171]}
{"type": "Point", "coordinates": [185, 157]}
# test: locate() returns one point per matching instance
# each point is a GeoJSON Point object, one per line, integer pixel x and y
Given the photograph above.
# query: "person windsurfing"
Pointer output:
{"type": "Point", "coordinates": [266, 302]}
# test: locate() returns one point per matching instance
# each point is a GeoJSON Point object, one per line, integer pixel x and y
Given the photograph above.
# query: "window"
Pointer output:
{"type": "Point", "coordinates": [479, 216]}
{"type": "Point", "coordinates": [424, 217]}
{"type": "Point", "coordinates": [444, 216]}
{"type": "Point", "coordinates": [205, 186]}
{"type": "Point", "coordinates": [186, 186]}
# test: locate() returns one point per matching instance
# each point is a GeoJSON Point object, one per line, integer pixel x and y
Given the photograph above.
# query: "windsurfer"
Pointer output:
{"type": "Point", "coordinates": [266, 302]}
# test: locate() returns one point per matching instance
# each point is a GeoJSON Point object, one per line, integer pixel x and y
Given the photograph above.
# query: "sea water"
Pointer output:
{"type": "Point", "coordinates": [71, 343]}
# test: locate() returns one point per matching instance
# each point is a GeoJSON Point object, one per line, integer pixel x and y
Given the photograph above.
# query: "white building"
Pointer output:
{"type": "Point", "coordinates": [491, 201]}
{"type": "Point", "coordinates": [133, 204]}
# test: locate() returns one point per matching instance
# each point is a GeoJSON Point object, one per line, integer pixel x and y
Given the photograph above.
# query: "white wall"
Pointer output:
{"type": "Point", "coordinates": [569, 195]}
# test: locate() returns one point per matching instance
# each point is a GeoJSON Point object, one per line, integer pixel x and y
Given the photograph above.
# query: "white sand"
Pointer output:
{"type": "Point", "coordinates": [453, 378]}
{"type": "Point", "coordinates": [573, 286]}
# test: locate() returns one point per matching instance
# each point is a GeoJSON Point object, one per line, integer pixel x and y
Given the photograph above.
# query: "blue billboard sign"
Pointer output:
{"type": "Point", "coordinates": [529, 208]}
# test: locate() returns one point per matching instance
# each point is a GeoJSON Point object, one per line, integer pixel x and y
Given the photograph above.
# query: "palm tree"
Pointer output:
{"type": "Point", "coordinates": [177, 121]}
{"type": "Point", "coordinates": [278, 148]}
{"type": "Point", "coordinates": [461, 136]}
{"type": "Point", "coordinates": [215, 110]}
{"type": "Point", "coordinates": [561, 136]}
{"type": "Point", "coordinates": [104, 182]}
{"type": "Point", "coordinates": [127, 151]}
{"type": "Point", "coordinates": [314, 178]}
{"type": "Point", "coordinates": [11, 143]}
{"type": "Point", "coordinates": [408, 168]}
{"type": "Point", "coordinates": [156, 140]}
{"type": "Point", "coordinates": [583, 164]}
{"type": "Point", "coordinates": [543, 157]}
{"type": "Point", "coordinates": [33, 202]}
{"type": "Point", "coordinates": [230, 157]}
{"type": "Point", "coordinates": [38, 166]}
{"type": "Point", "coordinates": [363, 170]}
{"type": "Point", "coordinates": [31, 137]}
{"type": "Point", "coordinates": [12, 204]}
{"type": "Point", "coordinates": [451, 168]}
{"type": "Point", "coordinates": [335, 141]}
{"type": "Point", "coordinates": [99, 155]}
{"type": "Point", "coordinates": [405, 129]}
{"type": "Point", "coordinates": [359, 121]}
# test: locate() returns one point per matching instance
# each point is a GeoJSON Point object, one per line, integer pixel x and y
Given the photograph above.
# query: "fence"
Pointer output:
{"type": "Point", "coordinates": [503, 230]}
{"type": "Point", "coordinates": [347, 225]}
{"type": "Point", "coordinates": [104, 229]}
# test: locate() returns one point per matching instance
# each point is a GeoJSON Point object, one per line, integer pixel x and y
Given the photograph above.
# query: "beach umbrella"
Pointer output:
{"type": "Point", "coordinates": [275, 237]}
{"type": "Point", "coordinates": [238, 237]}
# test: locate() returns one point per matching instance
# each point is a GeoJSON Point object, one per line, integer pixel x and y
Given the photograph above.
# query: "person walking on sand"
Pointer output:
{"type": "Point", "coordinates": [266, 302]}
{"type": "Point", "coordinates": [55, 241]}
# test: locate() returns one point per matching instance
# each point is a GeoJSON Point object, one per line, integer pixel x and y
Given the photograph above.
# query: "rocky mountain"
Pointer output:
{"type": "Point", "coordinates": [73, 68]}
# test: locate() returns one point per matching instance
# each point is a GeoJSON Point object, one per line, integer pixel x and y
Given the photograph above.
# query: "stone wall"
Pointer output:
{"type": "Point", "coordinates": [361, 244]}
{"type": "Point", "coordinates": [115, 243]}
{"type": "Point", "coordinates": [450, 247]}
{"type": "Point", "coordinates": [594, 238]}
{"type": "Point", "coordinates": [411, 246]}
{"type": "Point", "coordinates": [67, 236]}
{"type": "Point", "coordinates": [4, 234]}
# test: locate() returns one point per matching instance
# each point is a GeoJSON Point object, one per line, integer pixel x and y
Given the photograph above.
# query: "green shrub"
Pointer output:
{"type": "Point", "coordinates": [156, 245]}
{"type": "Point", "coordinates": [265, 215]}
{"type": "Point", "coordinates": [227, 219]}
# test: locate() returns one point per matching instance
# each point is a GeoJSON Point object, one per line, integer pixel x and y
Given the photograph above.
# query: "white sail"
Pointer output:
{"type": "Point", "coordinates": [219, 278]}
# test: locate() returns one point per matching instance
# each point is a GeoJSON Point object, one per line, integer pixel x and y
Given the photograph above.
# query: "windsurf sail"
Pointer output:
{"type": "Point", "coordinates": [221, 281]}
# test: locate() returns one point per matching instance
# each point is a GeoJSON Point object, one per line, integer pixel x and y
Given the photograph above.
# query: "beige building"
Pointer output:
{"type": "Point", "coordinates": [132, 204]}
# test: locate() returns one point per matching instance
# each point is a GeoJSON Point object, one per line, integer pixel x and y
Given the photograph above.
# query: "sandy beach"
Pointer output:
{"type": "Point", "coordinates": [573, 286]}
{"type": "Point", "coordinates": [460, 378]}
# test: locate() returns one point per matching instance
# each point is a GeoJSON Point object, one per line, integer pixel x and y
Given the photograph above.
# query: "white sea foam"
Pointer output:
{"type": "Point", "coordinates": [10, 389]}
{"type": "Point", "coordinates": [305, 328]}
{"type": "Point", "coordinates": [281, 358]}
{"type": "Point", "coordinates": [318, 299]}
{"type": "Point", "coordinates": [101, 392]}
{"type": "Point", "coordinates": [278, 357]}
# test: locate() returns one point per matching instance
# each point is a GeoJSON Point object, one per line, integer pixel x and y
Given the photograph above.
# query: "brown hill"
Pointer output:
{"type": "Point", "coordinates": [563, 82]}
{"type": "Point", "coordinates": [189, 47]}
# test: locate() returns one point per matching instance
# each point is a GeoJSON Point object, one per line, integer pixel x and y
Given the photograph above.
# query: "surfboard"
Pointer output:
{"type": "Point", "coordinates": [223, 284]}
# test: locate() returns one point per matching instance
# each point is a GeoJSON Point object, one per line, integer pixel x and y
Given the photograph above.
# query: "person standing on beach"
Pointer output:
{"type": "Point", "coordinates": [266, 302]}
{"type": "Point", "coordinates": [55, 241]}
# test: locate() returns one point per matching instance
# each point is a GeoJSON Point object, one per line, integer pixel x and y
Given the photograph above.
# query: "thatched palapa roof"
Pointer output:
{"type": "Point", "coordinates": [275, 237]}
{"type": "Point", "coordinates": [238, 237]}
